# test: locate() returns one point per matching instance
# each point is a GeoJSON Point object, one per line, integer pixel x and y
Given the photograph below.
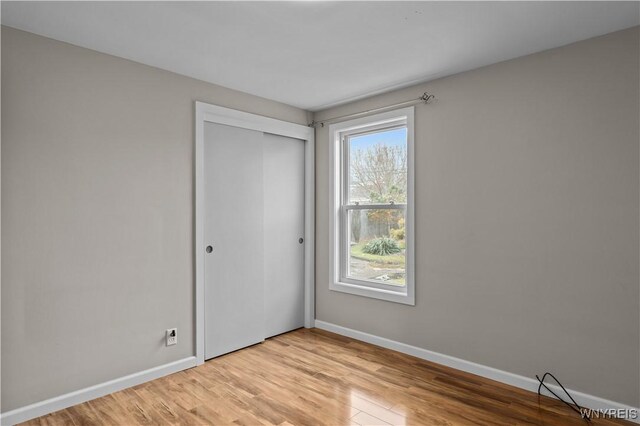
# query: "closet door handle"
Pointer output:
{"type": "Point", "coordinates": [301, 240]}
{"type": "Point", "coordinates": [209, 249]}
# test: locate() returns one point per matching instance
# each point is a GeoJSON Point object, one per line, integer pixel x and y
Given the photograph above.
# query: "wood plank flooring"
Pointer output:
{"type": "Point", "coordinates": [312, 377]}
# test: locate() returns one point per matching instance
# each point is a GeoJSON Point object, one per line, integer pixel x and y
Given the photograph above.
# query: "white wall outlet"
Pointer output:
{"type": "Point", "coordinates": [172, 336]}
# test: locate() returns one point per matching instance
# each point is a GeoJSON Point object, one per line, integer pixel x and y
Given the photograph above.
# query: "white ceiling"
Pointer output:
{"type": "Point", "coordinates": [318, 54]}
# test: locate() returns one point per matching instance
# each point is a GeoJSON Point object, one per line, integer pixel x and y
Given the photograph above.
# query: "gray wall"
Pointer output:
{"type": "Point", "coordinates": [527, 213]}
{"type": "Point", "coordinates": [527, 216]}
{"type": "Point", "coordinates": [97, 196]}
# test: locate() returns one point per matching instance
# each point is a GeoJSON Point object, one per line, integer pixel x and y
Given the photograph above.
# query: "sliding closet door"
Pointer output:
{"type": "Point", "coordinates": [283, 234]}
{"type": "Point", "coordinates": [234, 225]}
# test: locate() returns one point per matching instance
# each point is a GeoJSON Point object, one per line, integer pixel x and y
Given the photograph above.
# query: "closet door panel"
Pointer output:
{"type": "Point", "coordinates": [234, 237]}
{"type": "Point", "coordinates": [283, 229]}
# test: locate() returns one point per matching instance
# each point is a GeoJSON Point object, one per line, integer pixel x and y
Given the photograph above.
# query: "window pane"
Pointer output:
{"type": "Point", "coordinates": [378, 167]}
{"type": "Point", "coordinates": [377, 246]}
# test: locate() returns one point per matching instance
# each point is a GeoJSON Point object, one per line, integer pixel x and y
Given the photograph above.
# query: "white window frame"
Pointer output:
{"type": "Point", "coordinates": [338, 190]}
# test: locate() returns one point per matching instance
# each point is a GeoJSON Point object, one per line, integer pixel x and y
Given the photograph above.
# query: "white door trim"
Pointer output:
{"type": "Point", "coordinates": [217, 114]}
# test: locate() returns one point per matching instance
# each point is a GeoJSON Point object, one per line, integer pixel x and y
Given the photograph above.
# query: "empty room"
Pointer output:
{"type": "Point", "coordinates": [320, 213]}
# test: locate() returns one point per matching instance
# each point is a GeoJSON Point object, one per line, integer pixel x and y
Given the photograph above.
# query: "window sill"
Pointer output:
{"type": "Point", "coordinates": [374, 293]}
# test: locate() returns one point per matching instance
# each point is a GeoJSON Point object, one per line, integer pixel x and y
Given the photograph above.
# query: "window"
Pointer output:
{"type": "Point", "coordinates": [372, 208]}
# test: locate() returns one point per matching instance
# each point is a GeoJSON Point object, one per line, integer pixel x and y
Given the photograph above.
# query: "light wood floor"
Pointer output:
{"type": "Point", "coordinates": [311, 377]}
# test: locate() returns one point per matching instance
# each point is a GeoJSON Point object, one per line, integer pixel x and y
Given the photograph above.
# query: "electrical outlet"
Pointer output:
{"type": "Point", "coordinates": [172, 336]}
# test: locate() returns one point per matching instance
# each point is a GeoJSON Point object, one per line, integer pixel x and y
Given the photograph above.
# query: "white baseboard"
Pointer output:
{"type": "Point", "coordinates": [522, 382]}
{"type": "Point", "coordinates": [72, 398]}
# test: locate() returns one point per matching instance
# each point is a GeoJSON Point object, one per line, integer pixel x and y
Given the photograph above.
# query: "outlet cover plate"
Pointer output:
{"type": "Point", "coordinates": [172, 336]}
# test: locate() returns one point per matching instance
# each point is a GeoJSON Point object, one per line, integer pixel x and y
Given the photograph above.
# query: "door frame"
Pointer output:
{"type": "Point", "coordinates": [204, 113]}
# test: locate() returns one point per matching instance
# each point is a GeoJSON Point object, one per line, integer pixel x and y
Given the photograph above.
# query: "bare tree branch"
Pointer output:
{"type": "Point", "coordinates": [379, 174]}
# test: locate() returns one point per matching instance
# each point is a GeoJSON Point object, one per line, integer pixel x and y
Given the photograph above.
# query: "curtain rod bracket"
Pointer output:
{"type": "Point", "coordinates": [426, 97]}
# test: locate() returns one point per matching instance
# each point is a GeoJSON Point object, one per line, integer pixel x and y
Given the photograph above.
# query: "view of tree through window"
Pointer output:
{"type": "Point", "coordinates": [377, 171]}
